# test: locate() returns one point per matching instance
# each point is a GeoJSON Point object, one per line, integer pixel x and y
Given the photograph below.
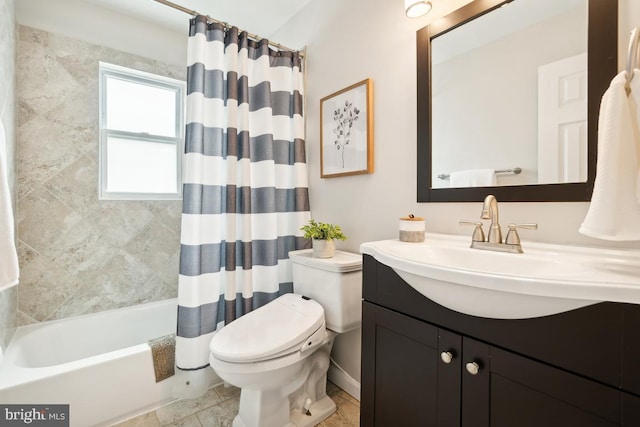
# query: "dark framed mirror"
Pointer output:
{"type": "Point", "coordinates": [560, 167]}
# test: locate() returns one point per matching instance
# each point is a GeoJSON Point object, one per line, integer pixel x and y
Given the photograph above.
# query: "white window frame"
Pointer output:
{"type": "Point", "coordinates": [107, 70]}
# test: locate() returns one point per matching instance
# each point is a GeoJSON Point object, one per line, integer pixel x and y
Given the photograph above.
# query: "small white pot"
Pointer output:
{"type": "Point", "coordinates": [324, 248]}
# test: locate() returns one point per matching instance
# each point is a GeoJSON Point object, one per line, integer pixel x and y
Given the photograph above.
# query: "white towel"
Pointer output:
{"type": "Point", "coordinates": [473, 178]}
{"type": "Point", "coordinates": [8, 255]}
{"type": "Point", "coordinates": [614, 213]}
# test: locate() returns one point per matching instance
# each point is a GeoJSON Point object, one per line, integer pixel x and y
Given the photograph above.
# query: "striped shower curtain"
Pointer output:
{"type": "Point", "coordinates": [245, 184]}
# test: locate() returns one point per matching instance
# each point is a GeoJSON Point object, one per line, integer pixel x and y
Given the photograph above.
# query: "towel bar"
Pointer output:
{"type": "Point", "coordinates": [632, 57]}
{"type": "Point", "coordinates": [514, 171]}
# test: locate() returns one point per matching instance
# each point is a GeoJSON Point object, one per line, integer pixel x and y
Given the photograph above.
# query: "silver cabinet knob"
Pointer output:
{"type": "Point", "coordinates": [446, 357]}
{"type": "Point", "coordinates": [473, 368]}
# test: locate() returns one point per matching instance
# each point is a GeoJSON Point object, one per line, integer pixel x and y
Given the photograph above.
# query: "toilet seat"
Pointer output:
{"type": "Point", "coordinates": [278, 328]}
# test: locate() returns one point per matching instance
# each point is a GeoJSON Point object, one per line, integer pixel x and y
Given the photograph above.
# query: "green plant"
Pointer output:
{"type": "Point", "coordinates": [322, 231]}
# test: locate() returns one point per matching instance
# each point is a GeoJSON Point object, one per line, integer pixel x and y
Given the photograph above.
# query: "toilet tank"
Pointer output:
{"type": "Point", "coordinates": [336, 283]}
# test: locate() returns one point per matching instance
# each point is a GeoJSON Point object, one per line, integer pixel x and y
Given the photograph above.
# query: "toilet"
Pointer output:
{"type": "Point", "coordinates": [278, 354]}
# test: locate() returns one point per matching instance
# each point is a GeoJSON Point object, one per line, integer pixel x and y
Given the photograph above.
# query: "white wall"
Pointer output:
{"type": "Point", "coordinates": [348, 41]}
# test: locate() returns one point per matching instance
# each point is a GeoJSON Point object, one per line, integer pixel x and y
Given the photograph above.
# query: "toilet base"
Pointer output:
{"type": "Point", "coordinates": [283, 405]}
{"type": "Point", "coordinates": [319, 411]}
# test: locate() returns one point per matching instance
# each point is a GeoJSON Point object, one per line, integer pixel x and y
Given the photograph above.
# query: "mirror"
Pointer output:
{"type": "Point", "coordinates": [514, 89]}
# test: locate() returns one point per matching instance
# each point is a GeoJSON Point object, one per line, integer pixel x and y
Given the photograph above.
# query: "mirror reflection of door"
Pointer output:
{"type": "Point", "coordinates": [562, 121]}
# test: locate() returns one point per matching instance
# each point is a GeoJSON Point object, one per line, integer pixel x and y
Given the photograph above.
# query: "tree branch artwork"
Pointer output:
{"type": "Point", "coordinates": [344, 117]}
{"type": "Point", "coordinates": [346, 131]}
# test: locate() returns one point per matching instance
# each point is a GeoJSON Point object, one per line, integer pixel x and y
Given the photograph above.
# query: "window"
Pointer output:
{"type": "Point", "coordinates": [141, 134]}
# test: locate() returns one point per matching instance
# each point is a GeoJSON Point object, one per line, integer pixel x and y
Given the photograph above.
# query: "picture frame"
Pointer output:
{"type": "Point", "coordinates": [346, 131]}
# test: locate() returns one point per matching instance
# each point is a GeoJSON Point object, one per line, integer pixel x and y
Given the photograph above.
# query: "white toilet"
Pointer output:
{"type": "Point", "coordinates": [278, 354]}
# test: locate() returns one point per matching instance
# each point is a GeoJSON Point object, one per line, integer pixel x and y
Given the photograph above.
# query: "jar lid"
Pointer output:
{"type": "Point", "coordinates": [411, 217]}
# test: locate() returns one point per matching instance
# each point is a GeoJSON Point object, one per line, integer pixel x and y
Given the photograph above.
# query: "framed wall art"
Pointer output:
{"type": "Point", "coordinates": [346, 131]}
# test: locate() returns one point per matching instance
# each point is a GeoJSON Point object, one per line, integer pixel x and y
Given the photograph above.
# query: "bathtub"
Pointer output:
{"type": "Point", "coordinates": [100, 364]}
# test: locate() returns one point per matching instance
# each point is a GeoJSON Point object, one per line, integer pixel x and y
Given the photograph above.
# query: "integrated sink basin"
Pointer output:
{"type": "Point", "coordinates": [546, 279]}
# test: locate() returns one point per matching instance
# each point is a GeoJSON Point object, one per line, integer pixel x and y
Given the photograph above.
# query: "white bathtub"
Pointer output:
{"type": "Point", "coordinates": [100, 364]}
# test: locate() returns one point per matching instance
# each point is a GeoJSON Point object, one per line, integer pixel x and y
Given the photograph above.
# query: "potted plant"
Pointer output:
{"type": "Point", "coordinates": [323, 236]}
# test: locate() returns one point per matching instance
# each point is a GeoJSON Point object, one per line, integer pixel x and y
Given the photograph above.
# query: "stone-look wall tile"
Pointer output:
{"type": "Point", "coordinates": [37, 298]}
{"type": "Point", "coordinates": [80, 59]}
{"type": "Point", "coordinates": [168, 273]}
{"type": "Point", "coordinates": [76, 185]}
{"type": "Point", "coordinates": [155, 289]}
{"type": "Point", "coordinates": [42, 218]}
{"type": "Point", "coordinates": [83, 254]}
{"type": "Point", "coordinates": [84, 301]}
{"type": "Point", "coordinates": [155, 245]}
{"type": "Point", "coordinates": [81, 249]}
{"type": "Point", "coordinates": [38, 37]}
{"type": "Point", "coordinates": [25, 253]}
{"type": "Point", "coordinates": [168, 213]}
{"type": "Point", "coordinates": [121, 278]}
{"type": "Point", "coordinates": [113, 286]}
{"type": "Point", "coordinates": [25, 113]}
{"type": "Point", "coordinates": [122, 220]}
{"type": "Point", "coordinates": [35, 61]}
{"type": "Point", "coordinates": [23, 319]}
{"type": "Point", "coordinates": [48, 146]}
{"type": "Point", "coordinates": [80, 109]}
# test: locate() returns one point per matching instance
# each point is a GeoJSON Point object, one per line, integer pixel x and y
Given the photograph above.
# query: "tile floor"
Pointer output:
{"type": "Point", "coordinates": [219, 406]}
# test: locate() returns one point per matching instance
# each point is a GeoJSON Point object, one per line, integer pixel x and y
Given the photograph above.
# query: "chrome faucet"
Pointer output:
{"type": "Point", "coordinates": [490, 211]}
{"type": "Point", "coordinates": [493, 241]}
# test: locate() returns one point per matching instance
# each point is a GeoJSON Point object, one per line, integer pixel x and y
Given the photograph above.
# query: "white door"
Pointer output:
{"type": "Point", "coordinates": [562, 121]}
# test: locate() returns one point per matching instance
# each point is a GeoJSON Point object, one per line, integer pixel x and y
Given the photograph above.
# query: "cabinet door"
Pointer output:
{"type": "Point", "coordinates": [511, 390]}
{"type": "Point", "coordinates": [476, 383]}
{"type": "Point", "coordinates": [449, 377]}
{"type": "Point", "coordinates": [630, 410]}
{"type": "Point", "coordinates": [400, 368]}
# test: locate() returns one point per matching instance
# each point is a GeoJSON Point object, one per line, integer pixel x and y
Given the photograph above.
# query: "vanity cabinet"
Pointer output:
{"type": "Point", "coordinates": [426, 365]}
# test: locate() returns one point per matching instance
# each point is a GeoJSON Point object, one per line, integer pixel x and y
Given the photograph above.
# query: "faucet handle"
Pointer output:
{"type": "Point", "coordinates": [512, 235]}
{"type": "Point", "coordinates": [478, 232]}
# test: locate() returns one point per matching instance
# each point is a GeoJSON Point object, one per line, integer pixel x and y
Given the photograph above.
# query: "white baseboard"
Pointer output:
{"type": "Point", "coordinates": [344, 381]}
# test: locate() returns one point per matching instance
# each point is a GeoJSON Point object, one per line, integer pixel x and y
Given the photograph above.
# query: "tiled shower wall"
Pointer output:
{"type": "Point", "coordinates": [8, 298]}
{"type": "Point", "coordinates": [79, 254]}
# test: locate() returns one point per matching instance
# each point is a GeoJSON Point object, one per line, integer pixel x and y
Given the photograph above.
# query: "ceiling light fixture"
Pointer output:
{"type": "Point", "coordinates": [416, 8]}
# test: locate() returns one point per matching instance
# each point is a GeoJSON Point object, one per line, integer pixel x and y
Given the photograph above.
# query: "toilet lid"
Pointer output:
{"type": "Point", "coordinates": [341, 262]}
{"type": "Point", "coordinates": [267, 332]}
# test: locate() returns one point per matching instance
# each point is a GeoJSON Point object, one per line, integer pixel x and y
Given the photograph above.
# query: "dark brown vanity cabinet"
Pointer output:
{"type": "Point", "coordinates": [425, 365]}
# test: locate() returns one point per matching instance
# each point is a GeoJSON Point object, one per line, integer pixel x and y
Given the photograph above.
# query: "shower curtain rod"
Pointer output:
{"type": "Point", "coordinates": [253, 36]}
